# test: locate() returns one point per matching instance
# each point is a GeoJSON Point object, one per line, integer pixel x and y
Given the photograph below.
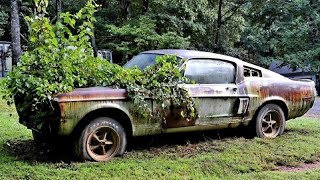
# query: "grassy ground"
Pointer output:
{"type": "Point", "coordinates": [211, 155]}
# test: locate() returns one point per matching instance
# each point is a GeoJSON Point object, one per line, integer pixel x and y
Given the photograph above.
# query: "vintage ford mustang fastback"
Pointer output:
{"type": "Point", "coordinates": [227, 92]}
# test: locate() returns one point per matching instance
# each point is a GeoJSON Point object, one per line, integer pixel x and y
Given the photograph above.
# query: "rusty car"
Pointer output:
{"type": "Point", "coordinates": [228, 92]}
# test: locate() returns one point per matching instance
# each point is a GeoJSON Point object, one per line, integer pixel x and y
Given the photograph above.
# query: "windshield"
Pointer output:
{"type": "Point", "coordinates": [141, 61]}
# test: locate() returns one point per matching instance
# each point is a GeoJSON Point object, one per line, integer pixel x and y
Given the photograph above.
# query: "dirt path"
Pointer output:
{"type": "Point", "coordinates": [304, 167]}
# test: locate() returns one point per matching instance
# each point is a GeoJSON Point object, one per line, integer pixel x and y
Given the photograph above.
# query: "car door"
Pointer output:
{"type": "Point", "coordinates": [215, 91]}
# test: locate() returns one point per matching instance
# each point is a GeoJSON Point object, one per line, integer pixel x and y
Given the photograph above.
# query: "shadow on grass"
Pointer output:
{"type": "Point", "coordinates": [178, 144]}
{"type": "Point", "coordinates": [299, 131]}
{"type": "Point", "coordinates": [181, 139]}
{"type": "Point", "coordinates": [186, 143]}
{"type": "Point", "coordinates": [31, 152]}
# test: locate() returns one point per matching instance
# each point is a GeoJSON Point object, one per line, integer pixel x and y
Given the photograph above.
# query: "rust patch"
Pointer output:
{"type": "Point", "coordinates": [173, 119]}
{"type": "Point", "coordinates": [299, 96]}
{"type": "Point", "coordinates": [94, 93]}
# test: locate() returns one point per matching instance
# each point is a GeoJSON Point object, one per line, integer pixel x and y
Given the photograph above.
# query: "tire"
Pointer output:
{"type": "Point", "coordinates": [270, 121]}
{"type": "Point", "coordinates": [100, 140]}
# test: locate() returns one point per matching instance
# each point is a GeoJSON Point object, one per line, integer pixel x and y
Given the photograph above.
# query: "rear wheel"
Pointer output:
{"type": "Point", "coordinates": [270, 121]}
{"type": "Point", "coordinates": [101, 140]}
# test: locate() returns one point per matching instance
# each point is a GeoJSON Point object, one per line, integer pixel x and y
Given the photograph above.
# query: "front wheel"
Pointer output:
{"type": "Point", "coordinates": [101, 140]}
{"type": "Point", "coordinates": [270, 121]}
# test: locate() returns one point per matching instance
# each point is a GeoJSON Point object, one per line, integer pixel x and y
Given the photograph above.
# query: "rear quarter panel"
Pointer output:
{"type": "Point", "coordinates": [297, 96]}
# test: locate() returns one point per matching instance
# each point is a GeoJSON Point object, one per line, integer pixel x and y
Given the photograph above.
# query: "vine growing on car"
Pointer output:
{"type": "Point", "coordinates": [60, 59]}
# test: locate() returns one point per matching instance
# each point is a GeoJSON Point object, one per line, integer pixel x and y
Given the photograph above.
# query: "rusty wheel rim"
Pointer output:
{"type": "Point", "coordinates": [271, 123]}
{"type": "Point", "coordinates": [102, 144]}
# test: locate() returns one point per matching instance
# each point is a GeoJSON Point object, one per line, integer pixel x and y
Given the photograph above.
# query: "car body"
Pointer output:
{"type": "Point", "coordinates": [228, 92]}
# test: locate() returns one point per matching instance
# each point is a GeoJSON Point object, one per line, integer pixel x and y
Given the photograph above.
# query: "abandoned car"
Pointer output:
{"type": "Point", "coordinates": [228, 92]}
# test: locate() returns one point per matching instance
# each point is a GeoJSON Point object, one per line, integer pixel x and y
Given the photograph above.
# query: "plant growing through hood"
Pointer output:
{"type": "Point", "coordinates": [60, 59]}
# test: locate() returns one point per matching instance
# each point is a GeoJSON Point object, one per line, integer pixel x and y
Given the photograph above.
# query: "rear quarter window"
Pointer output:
{"type": "Point", "coordinates": [250, 72]}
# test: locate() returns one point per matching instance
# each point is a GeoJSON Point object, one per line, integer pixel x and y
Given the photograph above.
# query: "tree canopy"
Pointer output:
{"type": "Point", "coordinates": [285, 30]}
{"type": "Point", "coordinates": [254, 30]}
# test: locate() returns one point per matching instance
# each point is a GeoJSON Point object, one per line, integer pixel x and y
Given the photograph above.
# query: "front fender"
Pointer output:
{"type": "Point", "coordinates": [73, 112]}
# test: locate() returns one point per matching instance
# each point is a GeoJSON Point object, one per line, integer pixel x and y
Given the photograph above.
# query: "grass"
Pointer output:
{"type": "Point", "coordinates": [211, 155]}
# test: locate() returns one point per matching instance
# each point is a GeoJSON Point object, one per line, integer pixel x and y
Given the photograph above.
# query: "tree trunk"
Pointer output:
{"type": "Point", "coordinates": [125, 5]}
{"type": "Point", "coordinates": [93, 44]}
{"type": "Point", "coordinates": [58, 8]}
{"type": "Point", "coordinates": [145, 5]}
{"type": "Point", "coordinates": [219, 23]}
{"type": "Point", "coordinates": [15, 32]}
{"type": "Point", "coordinates": [3, 61]}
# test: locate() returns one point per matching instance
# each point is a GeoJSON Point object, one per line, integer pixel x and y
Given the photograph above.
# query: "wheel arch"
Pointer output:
{"type": "Point", "coordinates": [278, 102]}
{"type": "Point", "coordinates": [118, 114]}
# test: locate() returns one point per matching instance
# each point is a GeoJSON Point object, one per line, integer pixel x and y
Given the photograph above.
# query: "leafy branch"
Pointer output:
{"type": "Point", "coordinates": [60, 59]}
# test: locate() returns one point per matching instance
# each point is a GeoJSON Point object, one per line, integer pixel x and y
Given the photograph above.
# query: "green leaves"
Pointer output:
{"type": "Point", "coordinates": [285, 31]}
{"type": "Point", "coordinates": [140, 34]}
{"type": "Point", "coordinates": [54, 63]}
{"type": "Point", "coordinates": [41, 5]}
{"type": "Point", "coordinates": [59, 61]}
{"type": "Point", "coordinates": [3, 21]}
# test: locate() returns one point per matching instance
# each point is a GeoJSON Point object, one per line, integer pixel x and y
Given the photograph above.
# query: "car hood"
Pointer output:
{"type": "Point", "coordinates": [92, 94]}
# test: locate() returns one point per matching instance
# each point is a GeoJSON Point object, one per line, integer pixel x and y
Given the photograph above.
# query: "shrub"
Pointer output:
{"type": "Point", "coordinates": [60, 59]}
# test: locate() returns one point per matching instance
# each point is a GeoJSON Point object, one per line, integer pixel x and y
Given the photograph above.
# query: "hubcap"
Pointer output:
{"type": "Point", "coordinates": [271, 123]}
{"type": "Point", "coordinates": [102, 144]}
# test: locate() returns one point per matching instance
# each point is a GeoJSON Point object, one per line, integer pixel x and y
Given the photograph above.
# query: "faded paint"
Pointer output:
{"type": "Point", "coordinates": [298, 96]}
{"type": "Point", "coordinates": [72, 112]}
{"type": "Point", "coordinates": [92, 94]}
{"type": "Point", "coordinates": [219, 105]}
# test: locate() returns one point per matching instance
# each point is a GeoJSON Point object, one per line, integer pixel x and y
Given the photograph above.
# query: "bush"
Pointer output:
{"type": "Point", "coordinates": [60, 60]}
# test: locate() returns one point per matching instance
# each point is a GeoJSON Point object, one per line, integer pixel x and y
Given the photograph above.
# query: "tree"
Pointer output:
{"type": "Point", "coordinates": [140, 35]}
{"type": "Point", "coordinates": [195, 21]}
{"type": "Point", "coordinates": [253, 30]}
{"type": "Point", "coordinates": [3, 22]}
{"type": "Point", "coordinates": [225, 14]}
{"type": "Point", "coordinates": [58, 8]}
{"type": "Point", "coordinates": [284, 30]}
{"type": "Point", "coordinates": [15, 32]}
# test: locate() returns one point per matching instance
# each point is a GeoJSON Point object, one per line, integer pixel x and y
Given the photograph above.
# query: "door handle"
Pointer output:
{"type": "Point", "coordinates": [231, 88]}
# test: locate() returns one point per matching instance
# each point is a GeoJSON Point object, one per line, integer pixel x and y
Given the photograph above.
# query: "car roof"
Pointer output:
{"type": "Point", "coordinates": [191, 54]}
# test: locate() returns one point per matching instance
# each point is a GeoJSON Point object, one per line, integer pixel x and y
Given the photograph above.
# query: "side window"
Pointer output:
{"type": "Point", "coordinates": [210, 71]}
{"type": "Point", "coordinates": [249, 72]}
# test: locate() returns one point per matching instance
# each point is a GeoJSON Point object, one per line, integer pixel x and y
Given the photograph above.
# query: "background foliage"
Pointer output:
{"type": "Point", "coordinates": [59, 60]}
{"type": "Point", "coordinates": [285, 30]}
{"type": "Point", "coordinates": [3, 22]}
{"type": "Point", "coordinates": [254, 30]}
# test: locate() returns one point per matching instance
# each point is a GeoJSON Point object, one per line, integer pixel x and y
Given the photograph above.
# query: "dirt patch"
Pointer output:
{"type": "Point", "coordinates": [186, 150]}
{"type": "Point", "coordinates": [304, 167]}
{"type": "Point", "coordinates": [185, 145]}
{"type": "Point", "coordinates": [174, 145]}
{"type": "Point", "coordinates": [314, 112]}
{"type": "Point", "coordinates": [29, 151]}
